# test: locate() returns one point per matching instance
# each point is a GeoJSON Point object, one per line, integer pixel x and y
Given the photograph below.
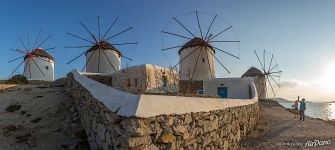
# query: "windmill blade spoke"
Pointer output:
{"type": "Point", "coordinates": [274, 94]}
{"type": "Point", "coordinates": [196, 13]}
{"type": "Point", "coordinates": [130, 43]}
{"type": "Point", "coordinates": [29, 68]}
{"type": "Point", "coordinates": [220, 33]}
{"type": "Point", "coordinates": [270, 63]}
{"type": "Point", "coordinates": [210, 26]}
{"type": "Point", "coordinates": [50, 48]}
{"type": "Point", "coordinates": [38, 67]}
{"type": "Point", "coordinates": [76, 46]}
{"type": "Point", "coordinates": [88, 31]}
{"type": "Point", "coordinates": [226, 52]}
{"type": "Point", "coordinates": [219, 62]}
{"type": "Point", "coordinates": [183, 26]}
{"type": "Point", "coordinates": [171, 48]}
{"type": "Point", "coordinates": [275, 76]}
{"type": "Point", "coordinates": [274, 81]}
{"type": "Point", "coordinates": [273, 67]}
{"type": "Point", "coordinates": [195, 66]}
{"type": "Point", "coordinates": [17, 67]}
{"type": "Point", "coordinates": [80, 38]}
{"type": "Point", "coordinates": [28, 39]}
{"type": "Point", "coordinates": [224, 41]}
{"type": "Point", "coordinates": [119, 33]}
{"type": "Point", "coordinates": [15, 59]}
{"type": "Point", "coordinates": [24, 46]}
{"type": "Point", "coordinates": [276, 72]}
{"type": "Point", "coordinates": [186, 57]}
{"type": "Point", "coordinates": [44, 41]}
{"type": "Point", "coordinates": [110, 27]}
{"type": "Point", "coordinates": [76, 57]}
{"type": "Point", "coordinates": [259, 61]}
{"type": "Point", "coordinates": [264, 59]}
{"type": "Point", "coordinates": [109, 60]}
{"type": "Point", "coordinates": [18, 50]}
{"type": "Point", "coordinates": [210, 67]}
{"type": "Point", "coordinates": [127, 58]}
{"type": "Point", "coordinates": [176, 35]}
{"type": "Point", "coordinates": [99, 27]}
{"type": "Point", "coordinates": [37, 37]}
{"type": "Point", "coordinates": [88, 61]}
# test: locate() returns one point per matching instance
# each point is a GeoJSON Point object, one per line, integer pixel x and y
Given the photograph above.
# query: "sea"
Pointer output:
{"type": "Point", "coordinates": [325, 111]}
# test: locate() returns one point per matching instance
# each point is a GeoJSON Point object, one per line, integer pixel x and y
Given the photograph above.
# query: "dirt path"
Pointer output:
{"type": "Point", "coordinates": [279, 129]}
{"type": "Point", "coordinates": [42, 117]}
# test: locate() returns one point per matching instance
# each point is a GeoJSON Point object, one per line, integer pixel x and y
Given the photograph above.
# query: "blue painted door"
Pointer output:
{"type": "Point", "coordinates": [223, 92]}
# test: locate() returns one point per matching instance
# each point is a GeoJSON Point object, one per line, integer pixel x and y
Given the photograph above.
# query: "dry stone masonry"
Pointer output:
{"type": "Point", "coordinates": [217, 129]}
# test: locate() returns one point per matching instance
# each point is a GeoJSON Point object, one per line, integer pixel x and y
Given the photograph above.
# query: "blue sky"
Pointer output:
{"type": "Point", "coordinates": [300, 34]}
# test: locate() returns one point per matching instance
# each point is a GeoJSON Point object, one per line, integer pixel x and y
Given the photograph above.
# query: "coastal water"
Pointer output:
{"type": "Point", "coordinates": [325, 111]}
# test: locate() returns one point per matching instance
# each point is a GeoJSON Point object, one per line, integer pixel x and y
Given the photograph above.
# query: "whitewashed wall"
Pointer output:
{"type": "Point", "coordinates": [237, 87]}
{"type": "Point", "coordinates": [203, 71]}
{"type": "Point", "coordinates": [36, 73]}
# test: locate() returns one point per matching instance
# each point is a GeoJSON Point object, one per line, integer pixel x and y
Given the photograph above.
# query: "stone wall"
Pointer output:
{"type": "Point", "coordinates": [106, 129]}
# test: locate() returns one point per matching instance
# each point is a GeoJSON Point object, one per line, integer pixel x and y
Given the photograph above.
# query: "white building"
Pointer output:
{"type": "Point", "coordinates": [103, 58]}
{"type": "Point", "coordinates": [234, 88]}
{"type": "Point", "coordinates": [196, 52]}
{"type": "Point", "coordinates": [39, 65]}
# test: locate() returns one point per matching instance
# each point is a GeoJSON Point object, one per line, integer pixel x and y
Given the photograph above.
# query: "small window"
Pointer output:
{"type": "Point", "coordinates": [47, 67]}
{"type": "Point", "coordinates": [203, 59]}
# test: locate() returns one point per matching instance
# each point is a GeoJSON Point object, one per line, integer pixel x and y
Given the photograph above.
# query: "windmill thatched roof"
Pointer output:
{"type": "Point", "coordinates": [253, 72]}
{"type": "Point", "coordinates": [196, 42]}
{"type": "Point", "coordinates": [42, 53]}
{"type": "Point", "coordinates": [105, 46]}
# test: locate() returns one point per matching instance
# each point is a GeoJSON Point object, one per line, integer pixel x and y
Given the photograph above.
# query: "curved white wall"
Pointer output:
{"type": "Point", "coordinates": [203, 70]}
{"type": "Point", "coordinates": [46, 65]}
{"type": "Point", "coordinates": [104, 66]}
{"type": "Point", "coordinates": [143, 106]}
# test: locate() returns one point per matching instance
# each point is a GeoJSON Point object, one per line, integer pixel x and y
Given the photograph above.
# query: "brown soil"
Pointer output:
{"type": "Point", "coordinates": [46, 118]}
{"type": "Point", "coordinates": [280, 129]}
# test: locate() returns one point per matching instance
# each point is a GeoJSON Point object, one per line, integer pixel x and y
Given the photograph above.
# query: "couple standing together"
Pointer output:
{"type": "Point", "coordinates": [301, 106]}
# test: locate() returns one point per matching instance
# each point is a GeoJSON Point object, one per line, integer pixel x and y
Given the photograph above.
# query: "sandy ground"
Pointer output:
{"type": "Point", "coordinates": [45, 120]}
{"type": "Point", "coordinates": [279, 129]}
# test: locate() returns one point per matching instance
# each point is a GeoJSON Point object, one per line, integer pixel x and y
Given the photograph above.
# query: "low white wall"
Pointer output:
{"type": "Point", "coordinates": [152, 105]}
{"type": "Point", "coordinates": [237, 88]}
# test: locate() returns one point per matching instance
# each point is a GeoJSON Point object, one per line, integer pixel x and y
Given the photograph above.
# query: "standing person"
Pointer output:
{"type": "Point", "coordinates": [296, 106]}
{"type": "Point", "coordinates": [302, 109]}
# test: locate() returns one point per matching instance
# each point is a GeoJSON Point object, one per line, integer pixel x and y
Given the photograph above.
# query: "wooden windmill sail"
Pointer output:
{"type": "Point", "coordinates": [198, 54]}
{"type": "Point", "coordinates": [102, 55]}
{"type": "Point", "coordinates": [38, 64]}
{"type": "Point", "coordinates": [266, 79]}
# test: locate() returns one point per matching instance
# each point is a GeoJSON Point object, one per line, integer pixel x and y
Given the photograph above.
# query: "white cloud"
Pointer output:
{"type": "Point", "coordinates": [311, 90]}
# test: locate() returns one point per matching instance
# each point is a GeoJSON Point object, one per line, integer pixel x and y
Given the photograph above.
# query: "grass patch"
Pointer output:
{"type": "Point", "coordinates": [17, 79]}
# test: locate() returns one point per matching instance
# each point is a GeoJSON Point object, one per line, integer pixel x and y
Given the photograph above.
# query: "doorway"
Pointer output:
{"type": "Point", "coordinates": [223, 92]}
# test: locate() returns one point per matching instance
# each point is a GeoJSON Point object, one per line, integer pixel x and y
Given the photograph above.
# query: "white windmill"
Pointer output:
{"type": "Point", "coordinates": [101, 56]}
{"type": "Point", "coordinates": [38, 64]}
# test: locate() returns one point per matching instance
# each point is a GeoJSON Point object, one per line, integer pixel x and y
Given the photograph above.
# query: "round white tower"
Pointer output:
{"type": "Point", "coordinates": [39, 65]}
{"type": "Point", "coordinates": [103, 58]}
{"type": "Point", "coordinates": [197, 60]}
{"type": "Point", "coordinates": [259, 80]}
